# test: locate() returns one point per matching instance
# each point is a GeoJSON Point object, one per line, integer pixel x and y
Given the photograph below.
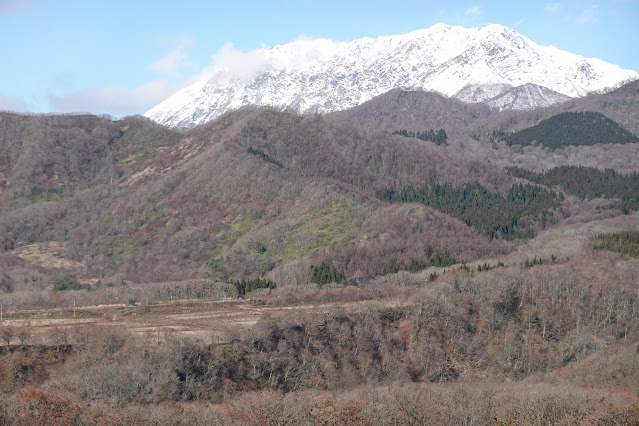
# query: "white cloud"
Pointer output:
{"type": "Point", "coordinates": [473, 11]}
{"type": "Point", "coordinates": [171, 62]}
{"type": "Point", "coordinates": [227, 64]}
{"type": "Point", "coordinates": [234, 64]}
{"type": "Point", "coordinates": [177, 58]}
{"type": "Point", "coordinates": [117, 100]}
{"type": "Point", "coordinates": [237, 63]}
{"type": "Point", "coordinates": [519, 22]}
{"type": "Point", "coordinates": [10, 6]}
{"type": "Point", "coordinates": [12, 103]}
{"type": "Point", "coordinates": [552, 7]}
{"type": "Point", "coordinates": [589, 16]}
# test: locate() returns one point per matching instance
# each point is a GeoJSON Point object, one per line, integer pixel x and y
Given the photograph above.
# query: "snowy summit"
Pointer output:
{"type": "Point", "coordinates": [492, 64]}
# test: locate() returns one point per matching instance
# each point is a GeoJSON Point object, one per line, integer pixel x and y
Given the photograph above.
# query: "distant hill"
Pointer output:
{"type": "Point", "coordinates": [415, 111]}
{"type": "Point", "coordinates": [620, 105]}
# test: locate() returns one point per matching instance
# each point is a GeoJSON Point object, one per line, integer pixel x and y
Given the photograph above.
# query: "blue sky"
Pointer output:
{"type": "Point", "coordinates": [123, 57]}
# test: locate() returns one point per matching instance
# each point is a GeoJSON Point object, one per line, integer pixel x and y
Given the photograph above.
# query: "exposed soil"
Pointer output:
{"type": "Point", "coordinates": [47, 255]}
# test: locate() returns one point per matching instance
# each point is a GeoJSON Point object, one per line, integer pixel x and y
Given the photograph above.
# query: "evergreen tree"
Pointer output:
{"type": "Point", "coordinates": [438, 138]}
{"type": "Point", "coordinates": [325, 274]}
{"type": "Point", "coordinates": [245, 286]}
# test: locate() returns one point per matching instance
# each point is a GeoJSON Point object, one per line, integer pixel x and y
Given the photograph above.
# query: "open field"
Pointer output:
{"type": "Point", "coordinates": [208, 321]}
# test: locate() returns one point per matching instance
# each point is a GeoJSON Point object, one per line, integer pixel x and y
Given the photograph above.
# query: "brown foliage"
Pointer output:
{"type": "Point", "coordinates": [44, 408]}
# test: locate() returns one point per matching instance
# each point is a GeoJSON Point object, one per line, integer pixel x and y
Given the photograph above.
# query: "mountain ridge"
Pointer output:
{"type": "Point", "coordinates": [492, 64]}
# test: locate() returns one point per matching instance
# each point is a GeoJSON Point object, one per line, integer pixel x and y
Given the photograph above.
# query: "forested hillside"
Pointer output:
{"type": "Point", "coordinates": [48, 158]}
{"type": "Point", "coordinates": [275, 187]}
{"type": "Point", "coordinates": [438, 138]}
{"type": "Point", "coordinates": [626, 243]}
{"type": "Point", "coordinates": [320, 269]}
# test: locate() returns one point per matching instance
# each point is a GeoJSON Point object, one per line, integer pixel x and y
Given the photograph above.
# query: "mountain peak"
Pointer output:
{"type": "Point", "coordinates": [472, 64]}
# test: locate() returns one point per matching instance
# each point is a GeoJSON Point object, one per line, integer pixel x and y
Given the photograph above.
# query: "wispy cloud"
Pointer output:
{"type": "Point", "coordinates": [171, 62]}
{"type": "Point", "coordinates": [178, 71]}
{"type": "Point", "coordinates": [552, 7]}
{"type": "Point", "coordinates": [177, 58]}
{"type": "Point", "coordinates": [232, 63]}
{"type": "Point", "coordinates": [471, 16]}
{"type": "Point", "coordinates": [239, 63]}
{"type": "Point", "coordinates": [112, 99]}
{"type": "Point", "coordinates": [519, 22]}
{"type": "Point", "coordinates": [227, 64]}
{"type": "Point", "coordinates": [12, 103]}
{"type": "Point", "coordinates": [165, 40]}
{"type": "Point", "coordinates": [474, 11]}
{"type": "Point", "coordinates": [589, 16]}
{"type": "Point", "coordinates": [11, 6]}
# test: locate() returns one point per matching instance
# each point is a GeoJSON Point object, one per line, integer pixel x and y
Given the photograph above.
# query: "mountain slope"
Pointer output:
{"type": "Point", "coordinates": [526, 97]}
{"type": "Point", "coordinates": [415, 111]}
{"type": "Point", "coordinates": [50, 157]}
{"type": "Point", "coordinates": [255, 192]}
{"type": "Point", "coordinates": [474, 65]}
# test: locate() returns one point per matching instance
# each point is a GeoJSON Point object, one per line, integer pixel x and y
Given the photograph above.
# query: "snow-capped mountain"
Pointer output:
{"type": "Point", "coordinates": [492, 64]}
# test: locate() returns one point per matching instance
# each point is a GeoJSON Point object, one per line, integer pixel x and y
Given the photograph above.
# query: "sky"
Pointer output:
{"type": "Point", "coordinates": [122, 57]}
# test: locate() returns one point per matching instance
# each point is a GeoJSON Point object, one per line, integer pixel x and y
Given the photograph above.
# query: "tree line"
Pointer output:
{"type": "Point", "coordinates": [438, 138]}
{"type": "Point", "coordinates": [247, 286]}
{"type": "Point", "coordinates": [434, 258]}
{"type": "Point", "coordinates": [264, 156]}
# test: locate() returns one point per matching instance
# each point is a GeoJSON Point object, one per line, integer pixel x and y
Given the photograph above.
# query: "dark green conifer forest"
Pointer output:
{"type": "Point", "coordinates": [438, 138]}
{"type": "Point", "coordinates": [589, 183]}
{"type": "Point", "coordinates": [247, 286]}
{"type": "Point", "coordinates": [624, 242]}
{"type": "Point", "coordinates": [571, 128]}
{"type": "Point", "coordinates": [490, 213]}
{"type": "Point", "coordinates": [325, 274]}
